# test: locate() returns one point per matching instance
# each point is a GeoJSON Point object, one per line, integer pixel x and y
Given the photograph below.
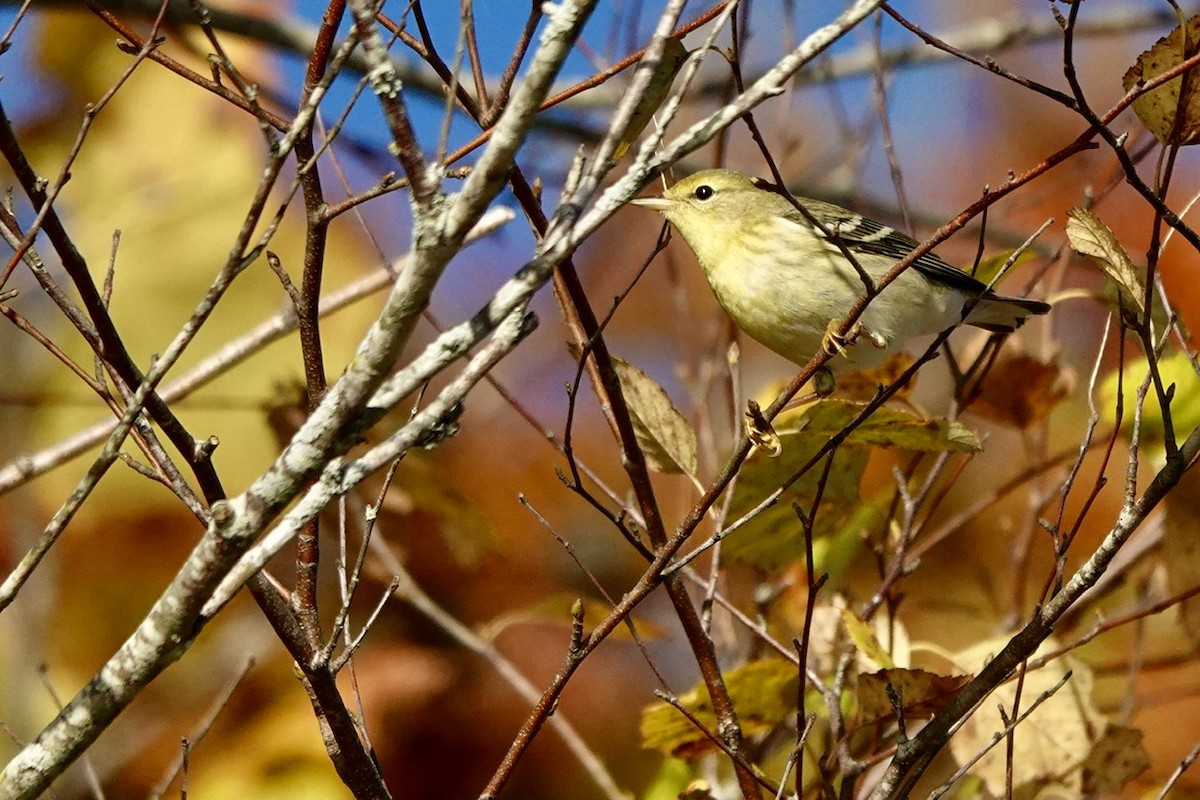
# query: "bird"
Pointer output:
{"type": "Point", "coordinates": [788, 283]}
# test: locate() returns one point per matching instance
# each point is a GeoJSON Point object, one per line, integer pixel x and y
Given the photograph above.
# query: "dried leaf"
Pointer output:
{"type": "Point", "coordinates": [1116, 758]}
{"type": "Point", "coordinates": [674, 55]}
{"type": "Point", "coordinates": [1172, 111]}
{"type": "Point", "coordinates": [1050, 745]}
{"type": "Point", "coordinates": [922, 693]}
{"type": "Point", "coordinates": [1021, 390]}
{"type": "Point", "coordinates": [1091, 237]}
{"type": "Point", "coordinates": [860, 386]}
{"type": "Point", "coordinates": [763, 693]}
{"type": "Point", "coordinates": [666, 437]}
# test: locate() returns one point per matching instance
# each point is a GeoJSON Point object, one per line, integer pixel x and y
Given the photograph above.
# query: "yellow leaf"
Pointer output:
{"type": "Point", "coordinates": [1091, 237]}
{"type": "Point", "coordinates": [1175, 370]}
{"type": "Point", "coordinates": [988, 268]}
{"type": "Point", "coordinates": [1050, 745]}
{"type": "Point", "coordinates": [863, 637]}
{"type": "Point", "coordinates": [763, 694]}
{"type": "Point", "coordinates": [1172, 111]}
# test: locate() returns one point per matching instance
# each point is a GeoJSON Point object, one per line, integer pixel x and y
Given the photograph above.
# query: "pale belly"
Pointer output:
{"type": "Point", "coordinates": [791, 314]}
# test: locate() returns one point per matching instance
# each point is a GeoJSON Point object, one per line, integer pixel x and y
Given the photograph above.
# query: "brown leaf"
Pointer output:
{"type": "Point", "coordinates": [665, 436]}
{"type": "Point", "coordinates": [674, 55]}
{"type": "Point", "coordinates": [1172, 111]}
{"type": "Point", "coordinates": [1021, 390]}
{"type": "Point", "coordinates": [1116, 758]}
{"type": "Point", "coordinates": [922, 693]}
{"type": "Point", "coordinates": [860, 386]}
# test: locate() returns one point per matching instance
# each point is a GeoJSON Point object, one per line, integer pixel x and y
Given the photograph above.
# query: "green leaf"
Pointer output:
{"type": "Point", "coordinates": [835, 551]}
{"type": "Point", "coordinates": [666, 437]}
{"type": "Point", "coordinates": [888, 427]}
{"type": "Point", "coordinates": [672, 779]}
{"type": "Point", "coordinates": [990, 267]}
{"type": "Point", "coordinates": [763, 694]}
{"type": "Point", "coordinates": [1185, 407]}
{"type": "Point", "coordinates": [1172, 111]}
{"type": "Point", "coordinates": [775, 537]}
{"type": "Point", "coordinates": [1091, 237]}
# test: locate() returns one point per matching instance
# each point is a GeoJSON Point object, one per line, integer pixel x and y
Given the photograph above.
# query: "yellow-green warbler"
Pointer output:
{"type": "Point", "coordinates": [786, 282]}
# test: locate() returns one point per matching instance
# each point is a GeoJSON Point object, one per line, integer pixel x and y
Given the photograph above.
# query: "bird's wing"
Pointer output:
{"type": "Point", "coordinates": [862, 234]}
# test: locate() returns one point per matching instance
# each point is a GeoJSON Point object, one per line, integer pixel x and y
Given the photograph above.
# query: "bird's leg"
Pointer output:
{"type": "Point", "coordinates": [823, 382]}
{"type": "Point", "coordinates": [823, 385]}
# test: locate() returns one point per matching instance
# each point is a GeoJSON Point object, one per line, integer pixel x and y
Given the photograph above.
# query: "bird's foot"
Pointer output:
{"type": "Point", "coordinates": [823, 382]}
{"type": "Point", "coordinates": [823, 385]}
{"type": "Point", "coordinates": [759, 431]}
{"type": "Point", "coordinates": [835, 343]}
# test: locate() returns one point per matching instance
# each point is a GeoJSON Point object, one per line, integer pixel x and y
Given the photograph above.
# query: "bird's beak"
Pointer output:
{"type": "Point", "coordinates": [655, 203]}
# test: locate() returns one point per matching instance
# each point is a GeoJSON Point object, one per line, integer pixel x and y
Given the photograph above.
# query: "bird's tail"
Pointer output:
{"type": "Point", "coordinates": [1000, 314]}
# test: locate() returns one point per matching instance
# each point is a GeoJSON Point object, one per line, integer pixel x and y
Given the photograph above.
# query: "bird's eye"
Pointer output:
{"type": "Point", "coordinates": [703, 192]}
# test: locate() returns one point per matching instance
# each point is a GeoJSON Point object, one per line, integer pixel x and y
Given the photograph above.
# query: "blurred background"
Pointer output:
{"type": "Point", "coordinates": [172, 168]}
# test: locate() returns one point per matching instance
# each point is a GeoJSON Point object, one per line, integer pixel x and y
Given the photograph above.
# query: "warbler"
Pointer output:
{"type": "Point", "coordinates": [787, 283]}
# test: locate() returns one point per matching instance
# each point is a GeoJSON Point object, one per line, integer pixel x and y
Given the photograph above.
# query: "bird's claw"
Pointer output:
{"type": "Point", "coordinates": [835, 343]}
{"type": "Point", "coordinates": [759, 431]}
